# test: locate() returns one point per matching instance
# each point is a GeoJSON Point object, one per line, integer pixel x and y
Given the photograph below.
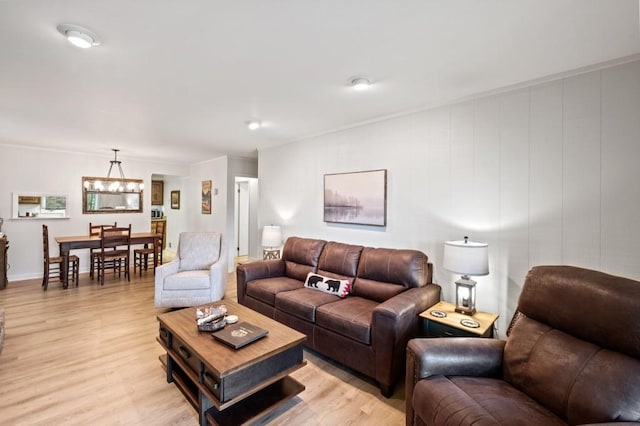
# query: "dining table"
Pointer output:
{"type": "Point", "coordinates": [68, 243]}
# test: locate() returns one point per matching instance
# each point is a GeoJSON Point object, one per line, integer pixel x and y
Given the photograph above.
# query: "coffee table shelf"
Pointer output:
{"type": "Point", "coordinates": [256, 405]}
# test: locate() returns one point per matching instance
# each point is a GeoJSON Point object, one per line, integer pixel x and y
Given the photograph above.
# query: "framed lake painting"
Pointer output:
{"type": "Point", "coordinates": [356, 198]}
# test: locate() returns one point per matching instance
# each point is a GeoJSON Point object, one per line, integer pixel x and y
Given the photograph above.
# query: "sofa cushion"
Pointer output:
{"type": "Point", "coordinates": [198, 250]}
{"type": "Point", "coordinates": [375, 290]}
{"type": "Point", "coordinates": [383, 273]}
{"type": "Point", "coordinates": [188, 280]}
{"type": "Point", "coordinates": [329, 285]}
{"type": "Point", "coordinates": [301, 256]}
{"type": "Point", "coordinates": [266, 289]}
{"type": "Point", "coordinates": [339, 260]}
{"type": "Point", "coordinates": [350, 317]}
{"type": "Point", "coordinates": [476, 400]}
{"type": "Point", "coordinates": [303, 302]}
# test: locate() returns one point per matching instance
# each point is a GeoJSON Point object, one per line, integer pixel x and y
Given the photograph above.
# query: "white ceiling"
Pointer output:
{"type": "Point", "coordinates": [176, 80]}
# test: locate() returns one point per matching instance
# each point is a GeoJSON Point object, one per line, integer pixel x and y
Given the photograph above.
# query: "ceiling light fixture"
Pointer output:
{"type": "Point", "coordinates": [78, 36]}
{"type": "Point", "coordinates": [360, 83]}
{"type": "Point", "coordinates": [253, 125]}
{"type": "Point", "coordinates": [114, 184]}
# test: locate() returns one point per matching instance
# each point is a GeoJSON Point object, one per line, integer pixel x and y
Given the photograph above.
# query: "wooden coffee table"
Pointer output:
{"type": "Point", "coordinates": [229, 386]}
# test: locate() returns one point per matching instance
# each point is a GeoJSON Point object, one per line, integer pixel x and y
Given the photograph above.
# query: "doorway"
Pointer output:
{"type": "Point", "coordinates": [242, 218]}
{"type": "Point", "coordinates": [245, 218]}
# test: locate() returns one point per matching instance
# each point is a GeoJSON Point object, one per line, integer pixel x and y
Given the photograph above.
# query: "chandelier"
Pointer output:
{"type": "Point", "coordinates": [114, 184]}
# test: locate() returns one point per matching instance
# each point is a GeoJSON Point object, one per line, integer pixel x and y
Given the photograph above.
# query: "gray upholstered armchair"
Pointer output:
{"type": "Point", "coordinates": [198, 274]}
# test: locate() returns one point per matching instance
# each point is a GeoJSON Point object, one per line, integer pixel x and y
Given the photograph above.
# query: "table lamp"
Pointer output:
{"type": "Point", "coordinates": [466, 258]}
{"type": "Point", "coordinates": [271, 237]}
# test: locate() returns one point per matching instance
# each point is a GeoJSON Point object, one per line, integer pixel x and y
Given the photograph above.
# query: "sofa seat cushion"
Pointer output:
{"type": "Point", "coordinates": [266, 289]}
{"type": "Point", "coordinates": [303, 302]}
{"type": "Point", "coordinates": [350, 317]}
{"type": "Point", "coordinates": [476, 401]}
{"type": "Point", "coordinates": [188, 280]}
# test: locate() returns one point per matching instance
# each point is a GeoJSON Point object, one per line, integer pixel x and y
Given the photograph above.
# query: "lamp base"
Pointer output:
{"type": "Point", "coordinates": [270, 254]}
{"type": "Point", "coordinates": [469, 312]}
{"type": "Point", "coordinates": [465, 296]}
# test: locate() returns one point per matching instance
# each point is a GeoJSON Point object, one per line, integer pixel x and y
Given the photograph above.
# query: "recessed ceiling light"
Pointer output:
{"type": "Point", "coordinates": [253, 125]}
{"type": "Point", "coordinates": [360, 83]}
{"type": "Point", "coordinates": [78, 36]}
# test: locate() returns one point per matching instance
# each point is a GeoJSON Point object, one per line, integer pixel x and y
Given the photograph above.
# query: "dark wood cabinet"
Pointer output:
{"type": "Point", "coordinates": [157, 192]}
{"type": "Point", "coordinates": [4, 265]}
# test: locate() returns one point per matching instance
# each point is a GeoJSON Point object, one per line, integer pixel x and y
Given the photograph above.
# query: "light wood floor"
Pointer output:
{"type": "Point", "coordinates": [88, 355]}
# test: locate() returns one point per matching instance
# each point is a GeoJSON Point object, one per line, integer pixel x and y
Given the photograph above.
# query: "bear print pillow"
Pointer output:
{"type": "Point", "coordinates": [339, 288]}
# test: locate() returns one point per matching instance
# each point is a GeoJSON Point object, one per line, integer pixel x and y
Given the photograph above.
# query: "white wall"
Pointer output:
{"type": "Point", "coordinates": [177, 219]}
{"type": "Point", "coordinates": [43, 171]}
{"type": "Point", "coordinates": [546, 174]}
{"type": "Point", "coordinates": [216, 171]}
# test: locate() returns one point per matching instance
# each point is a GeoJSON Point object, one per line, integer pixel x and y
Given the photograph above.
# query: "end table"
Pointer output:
{"type": "Point", "coordinates": [441, 320]}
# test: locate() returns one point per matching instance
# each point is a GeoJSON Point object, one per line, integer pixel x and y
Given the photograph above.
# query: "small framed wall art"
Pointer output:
{"type": "Point", "coordinates": [206, 197]}
{"type": "Point", "coordinates": [175, 200]}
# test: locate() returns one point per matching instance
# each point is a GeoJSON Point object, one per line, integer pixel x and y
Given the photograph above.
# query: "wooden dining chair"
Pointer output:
{"type": "Point", "coordinates": [115, 249]}
{"type": "Point", "coordinates": [94, 231]}
{"type": "Point", "coordinates": [154, 251]}
{"type": "Point", "coordinates": [53, 265]}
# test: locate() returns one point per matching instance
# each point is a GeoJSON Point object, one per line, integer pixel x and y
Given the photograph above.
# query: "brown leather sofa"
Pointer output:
{"type": "Point", "coordinates": [572, 356]}
{"type": "Point", "coordinates": [369, 329]}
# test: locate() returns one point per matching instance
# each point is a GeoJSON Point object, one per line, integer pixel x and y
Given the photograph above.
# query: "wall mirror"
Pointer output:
{"type": "Point", "coordinates": [111, 195]}
{"type": "Point", "coordinates": [34, 205]}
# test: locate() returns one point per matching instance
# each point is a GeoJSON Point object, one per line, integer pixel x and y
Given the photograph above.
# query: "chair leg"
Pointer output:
{"type": "Point", "coordinates": [76, 271]}
{"type": "Point", "coordinates": [45, 278]}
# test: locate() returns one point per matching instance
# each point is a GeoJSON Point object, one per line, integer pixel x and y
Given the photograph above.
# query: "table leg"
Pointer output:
{"type": "Point", "coordinates": [64, 268]}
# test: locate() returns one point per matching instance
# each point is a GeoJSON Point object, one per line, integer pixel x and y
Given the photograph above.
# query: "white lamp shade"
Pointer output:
{"type": "Point", "coordinates": [466, 257]}
{"type": "Point", "coordinates": [271, 236]}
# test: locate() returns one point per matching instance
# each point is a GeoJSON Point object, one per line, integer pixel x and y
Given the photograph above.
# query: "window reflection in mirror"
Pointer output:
{"type": "Point", "coordinates": [103, 195]}
{"type": "Point", "coordinates": [36, 205]}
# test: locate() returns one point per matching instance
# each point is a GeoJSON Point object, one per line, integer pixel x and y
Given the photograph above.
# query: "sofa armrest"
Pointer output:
{"type": "Point", "coordinates": [394, 322]}
{"type": "Point", "coordinates": [257, 270]}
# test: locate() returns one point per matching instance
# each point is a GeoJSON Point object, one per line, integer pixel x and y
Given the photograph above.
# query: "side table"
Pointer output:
{"type": "Point", "coordinates": [441, 320]}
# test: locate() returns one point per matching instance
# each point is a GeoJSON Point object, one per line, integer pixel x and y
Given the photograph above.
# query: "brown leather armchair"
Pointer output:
{"type": "Point", "coordinates": [572, 357]}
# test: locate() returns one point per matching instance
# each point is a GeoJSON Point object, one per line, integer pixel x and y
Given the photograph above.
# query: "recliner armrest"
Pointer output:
{"type": "Point", "coordinates": [451, 356]}
{"type": "Point", "coordinates": [257, 270]}
{"type": "Point", "coordinates": [454, 356]}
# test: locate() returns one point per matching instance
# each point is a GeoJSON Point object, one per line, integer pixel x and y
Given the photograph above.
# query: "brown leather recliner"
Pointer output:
{"type": "Point", "coordinates": [572, 357]}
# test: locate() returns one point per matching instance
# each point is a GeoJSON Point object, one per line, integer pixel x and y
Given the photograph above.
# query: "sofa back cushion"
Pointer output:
{"type": "Point", "coordinates": [198, 250]}
{"type": "Point", "coordinates": [576, 346]}
{"type": "Point", "coordinates": [383, 273]}
{"type": "Point", "coordinates": [339, 261]}
{"type": "Point", "coordinates": [301, 256]}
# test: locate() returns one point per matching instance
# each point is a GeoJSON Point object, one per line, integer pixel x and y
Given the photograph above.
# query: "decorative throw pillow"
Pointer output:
{"type": "Point", "coordinates": [329, 285]}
